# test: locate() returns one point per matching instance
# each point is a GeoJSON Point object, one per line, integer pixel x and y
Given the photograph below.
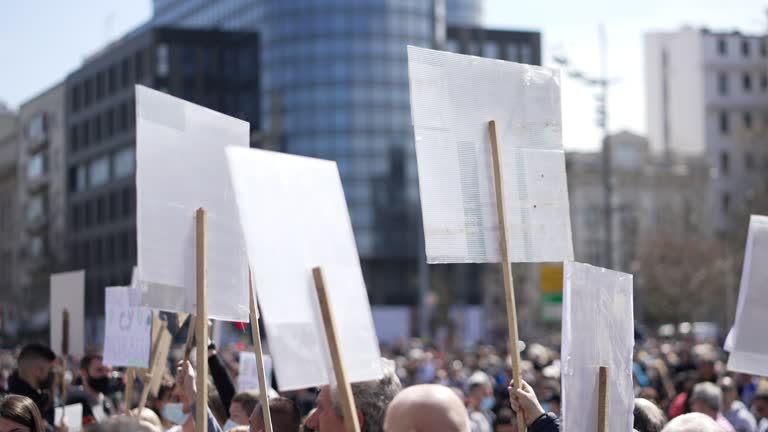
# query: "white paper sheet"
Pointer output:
{"type": "Point", "coordinates": [74, 414]}
{"type": "Point", "coordinates": [128, 329]}
{"type": "Point", "coordinates": [248, 374]}
{"type": "Point", "coordinates": [598, 330]}
{"type": "Point", "coordinates": [180, 166]}
{"type": "Point", "coordinates": [295, 218]}
{"type": "Point", "coordinates": [68, 292]}
{"type": "Point", "coordinates": [748, 339]}
{"type": "Point", "coordinates": [453, 97]}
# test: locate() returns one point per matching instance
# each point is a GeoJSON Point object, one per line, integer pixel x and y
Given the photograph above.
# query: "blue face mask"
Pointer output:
{"type": "Point", "coordinates": [545, 407]}
{"type": "Point", "coordinates": [229, 425]}
{"type": "Point", "coordinates": [488, 403]}
{"type": "Point", "coordinates": [174, 413]}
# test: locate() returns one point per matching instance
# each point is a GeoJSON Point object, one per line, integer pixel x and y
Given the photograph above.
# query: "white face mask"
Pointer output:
{"type": "Point", "coordinates": [229, 425]}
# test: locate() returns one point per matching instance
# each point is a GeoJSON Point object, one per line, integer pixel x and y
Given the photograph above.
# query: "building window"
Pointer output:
{"type": "Point", "coordinates": [452, 45]}
{"type": "Point", "coordinates": [81, 178]}
{"type": "Point", "coordinates": [747, 81]}
{"type": "Point", "coordinates": [73, 138]}
{"type": "Point", "coordinates": [747, 117]}
{"type": "Point", "coordinates": [112, 79]}
{"type": "Point", "coordinates": [526, 54]}
{"type": "Point", "coordinates": [749, 161]}
{"type": "Point", "coordinates": [123, 162]}
{"type": "Point", "coordinates": [98, 172]}
{"type": "Point", "coordinates": [162, 65]}
{"type": "Point", "coordinates": [110, 122]}
{"type": "Point", "coordinates": [745, 47]}
{"type": "Point", "coordinates": [139, 65]}
{"type": "Point", "coordinates": [725, 165]}
{"type": "Point", "coordinates": [722, 46]}
{"type": "Point", "coordinates": [724, 124]}
{"type": "Point", "coordinates": [36, 166]}
{"type": "Point", "coordinates": [97, 128]}
{"type": "Point", "coordinates": [763, 48]}
{"type": "Point", "coordinates": [123, 118]}
{"type": "Point", "coordinates": [725, 202]}
{"type": "Point", "coordinates": [490, 49]}
{"type": "Point", "coordinates": [763, 81]}
{"type": "Point", "coordinates": [125, 67]}
{"type": "Point", "coordinates": [36, 246]}
{"type": "Point", "coordinates": [99, 85]}
{"type": "Point", "coordinates": [127, 202]}
{"type": "Point", "coordinates": [35, 207]}
{"type": "Point", "coordinates": [35, 129]}
{"type": "Point", "coordinates": [722, 83]}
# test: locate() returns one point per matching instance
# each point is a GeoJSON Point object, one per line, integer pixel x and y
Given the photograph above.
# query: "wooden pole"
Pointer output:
{"type": "Point", "coordinates": [263, 386]}
{"type": "Point", "coordinates": [64, 357]}
{"type": "Point", "coordinates": [509, 288]}
{"type": "Point", "coordinates": [351, 422]}
{"type": "Point", "coordinates": [201, 322]}
{"type": "Point", "coordinates": [130, 378]}
{"type": "Point", "coordinates": [602, 400]}
{"type": "Point", "coordinates": [155, 368]}
{"type": "Point", "coordinates": [190, 338]}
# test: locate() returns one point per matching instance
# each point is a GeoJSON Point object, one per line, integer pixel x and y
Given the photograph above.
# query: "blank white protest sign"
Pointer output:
{"type": "Point", "coordinates": [68, 292]}
{"type": "Point", "coordinates": [598, 330]}
{"type": "Point", "coordinates": [453, 97]}
{"type": "Point", "coordinates": [180, 167]}
{"type": "Point", "coordinates": [295, 218]}
{"type": "Point", "coordinates": [748, 340]}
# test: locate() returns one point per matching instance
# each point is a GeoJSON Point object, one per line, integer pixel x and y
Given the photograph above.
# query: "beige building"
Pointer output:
{"type": "Point", "coordinates": [42, 192]}
{"type": "Point", "coordinates": [8, 206]}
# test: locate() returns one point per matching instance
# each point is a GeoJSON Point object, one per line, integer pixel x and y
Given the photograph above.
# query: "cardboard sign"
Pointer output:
{"type": "Point", "coordinates": [248, 376]}
{"type": "Point", "coordinates": [295, 218]}
{"type": "Point", "coordinates": [748, 340]}
{"type": "Point", "coordinates": [453, 97]}
{"type": "Point", "coordinates": [128, 329]}
{"type": "Point", "coordinates": [68, 292]}
{"type": "Point", "coordinates": [598, 330]}
{"type": "Point", "coordinates": [180, 167]}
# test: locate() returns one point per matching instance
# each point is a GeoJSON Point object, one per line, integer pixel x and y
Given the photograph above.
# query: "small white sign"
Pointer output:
{"type": "Point", "coordinates": [248, 375]}
{"type": "Point", "coordinates": [74, 415]}
{"type": "Point", "coordinates": [68, 292]}
{"type": "Point", "coordinates": [128, 329]}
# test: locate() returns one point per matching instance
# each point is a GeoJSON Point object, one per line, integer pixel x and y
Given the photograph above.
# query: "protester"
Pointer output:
{"type": "Point", "coordinates": [241, 409]}
{"type": "Point", "coordinates": [20, 414]}
{"type": "Point", "coordinates": [426, 408]}
{"type": "Point", "coordinates": [371, 400]}
{"type": "Point", "coordinates": [34, 377]}
{"type": "Point", "coordinates": [707, 398]}
{"type": "Point", "coordinates": [284, 413]}
{"type": "Point", "coordinates": [692, 422]}
{"type": "Point", "coordinates": [92, 393]}
{"type": "Point", "coordinates": [480, 402]}
{"type": "Point", "coordinates": [525, 403]}
{"type": "Point", "coordinates": [734, 410]}
{"type": "Point", "coordinates": [760, 409]}
{"type": "Point", "coordinates": [648, 416]}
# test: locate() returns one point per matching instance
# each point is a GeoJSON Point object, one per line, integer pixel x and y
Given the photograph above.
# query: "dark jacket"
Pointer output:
{"type": "Point", "coordinates": [18, 386]}
{"type": "Point", "coordinates": [221, 380]}
{"type": "Point", "coordinates": [546, 423]}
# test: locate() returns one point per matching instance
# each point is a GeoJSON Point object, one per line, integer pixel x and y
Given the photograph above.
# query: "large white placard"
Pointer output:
{"type": "Point", "coordinates": [128, 329]}
{"type": "Point", "coordinates": [453, 97]}
{"type": "Point", "coordinates": [248, 373]}
{"type": "Point", "coordinates": [748, 340]}
{"type": "Point", "coordinates": [68, 292]}
{"type": "Point", "coordinates": [295, 218]}
{"type": "Point", "coordinates": [598, 330]}
{"type": "Point", "coordinates": [180, 167]}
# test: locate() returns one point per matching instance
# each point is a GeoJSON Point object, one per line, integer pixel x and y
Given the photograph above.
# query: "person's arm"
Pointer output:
{"type": "Point", "coordinates": [525, 403]}
{"type": "Point", "coordinates": [221, 379]}
{"type": "Point", "coordinates": [185, 377]}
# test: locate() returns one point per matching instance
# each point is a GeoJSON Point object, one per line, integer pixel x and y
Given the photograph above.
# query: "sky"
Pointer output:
{"type": "Point", "coordinates": [42, 41]}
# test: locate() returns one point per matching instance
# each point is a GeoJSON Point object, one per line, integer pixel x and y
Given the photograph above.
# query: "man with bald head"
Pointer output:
{"type": "Point", "coordinates": [426, 408]}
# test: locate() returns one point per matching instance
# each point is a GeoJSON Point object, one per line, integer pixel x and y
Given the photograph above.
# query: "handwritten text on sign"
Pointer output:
{"type": "Point", "coordinates": [128, 332]}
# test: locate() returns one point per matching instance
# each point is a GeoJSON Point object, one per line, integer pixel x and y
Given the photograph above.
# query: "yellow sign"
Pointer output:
{"type": "Point", "coordinates": [551, 278]}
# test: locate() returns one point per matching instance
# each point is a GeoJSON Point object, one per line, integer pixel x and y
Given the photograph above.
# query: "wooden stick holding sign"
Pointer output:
{"type": "Point", "coordinates": [351, 422]}
{"type": "Point", "coordinates": [190, 337]}
{"type": "Point", "coordinates": [509, 288]}
{"type": "Point", "coordinates": [602, 400]}
{"type": "Point", "coordinates": [130, 379]}
{"type": "Point", "coordinates": [256, 332]}
{"type": "Point", "coordinates": [201, 322]}
{"type": "Point", "coordinates": [160, 346]}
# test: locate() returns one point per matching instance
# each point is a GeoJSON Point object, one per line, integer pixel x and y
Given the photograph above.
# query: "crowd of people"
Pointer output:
{"type": "Point", "coordinates": [680, 385]}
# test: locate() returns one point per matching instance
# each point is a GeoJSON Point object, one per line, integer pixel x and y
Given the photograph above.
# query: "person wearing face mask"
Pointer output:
{"type": "Point", "coordinates": [96, 384]}
{"type": "Point", "coordinates": [480, 402]}
{"type": "Point", "coordinates": [34, 377]}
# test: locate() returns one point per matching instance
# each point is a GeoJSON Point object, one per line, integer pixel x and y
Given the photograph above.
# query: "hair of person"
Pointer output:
{"type": "Point", "coordinates": [21, 410]}
{"type": "Point", "coordinates": [709, 394]}
{"type": "Point", "coordinates": [85, 362]}
{"type": "Point", "coordinates": [761, 395]}
{"type": "Point", "coordinates": [648, 417]}
{"type": "Point", "coordinates": [692, 422]}
{"type": "Point", "coordinates": [476, 385]}
{"type": "Point", "coordinates": [373, 397]}
{"type": "Point", "coordinates": [121, 424]}
{"type": "Point", "coordinates": [285, 414]}
{"type": "Point", "coordinates": [36, 351]}
{"type": "Point", "coordinates": [247, 400]}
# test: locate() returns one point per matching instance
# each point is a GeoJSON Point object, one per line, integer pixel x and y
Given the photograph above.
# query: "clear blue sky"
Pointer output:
{"type": "Point", "coordinates": [41, 41]}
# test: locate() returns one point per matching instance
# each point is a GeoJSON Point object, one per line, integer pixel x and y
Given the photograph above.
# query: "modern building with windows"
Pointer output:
{"type": "Point", "coordinates": [334, 85]}
{"type": "Point", "coordinates": [707, 95]}
{"type": "Point", "coordinates": [215, 69]}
